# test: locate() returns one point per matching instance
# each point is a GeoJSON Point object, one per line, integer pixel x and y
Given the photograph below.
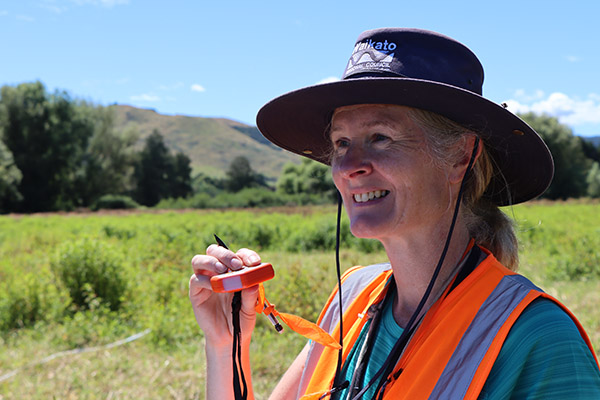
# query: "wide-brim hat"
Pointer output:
{"type": "Point", "coordinates": [425, 70]}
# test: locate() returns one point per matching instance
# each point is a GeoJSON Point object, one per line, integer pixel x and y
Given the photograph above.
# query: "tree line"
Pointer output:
{"type": "Point", "coordinates": [576, 160]}
{"type": "Point", "coordinates": [60, 153]}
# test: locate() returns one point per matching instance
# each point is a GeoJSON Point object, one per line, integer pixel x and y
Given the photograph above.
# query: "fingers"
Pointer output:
{"type": "Point", "coordinates": [219, 260]}
{"type": "Point", "coordinates": [225, 256]}
{"type": "Point", "coordinates": [198, 292]}
{"type": "Point", "coordinates": [206, 265]}
{"type": "Point", "coordinates": [199, 282]}
{"type": "Point", "coordinates": [249, 257]}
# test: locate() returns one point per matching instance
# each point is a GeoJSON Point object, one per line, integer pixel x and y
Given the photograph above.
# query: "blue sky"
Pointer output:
{"type": "Point", "coordinates": [227, 58]}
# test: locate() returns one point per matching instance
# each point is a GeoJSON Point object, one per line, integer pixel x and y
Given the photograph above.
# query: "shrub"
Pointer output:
{"type": "Point", "coordinates": [248, 198]}
{"type": "Point", "coordinates": [580, 262]}
{"type": "Point", "coordinates": [114, 202]}
{"type": "Point", "coordinates": [119, 233]}
{"type": "Point", "coordinates": [86, 327]}
{"type": "Point", "coordinates": [91, 271]}
{"type": "Point", "coordinates": [245, 198]}
{"type": "Point", "coordinates": [21, 304]}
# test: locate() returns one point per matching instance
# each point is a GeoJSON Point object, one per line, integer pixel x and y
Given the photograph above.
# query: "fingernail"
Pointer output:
{"type": "Point", "coordinates": [236, 263]}
{"type": "Point", "coordinates": [221, 269]}
{"type": "Point", "coordinates": [253, 259]}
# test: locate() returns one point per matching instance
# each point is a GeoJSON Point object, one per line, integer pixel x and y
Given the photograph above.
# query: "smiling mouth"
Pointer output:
{"type": "Point", "coordinates": [364, 197]}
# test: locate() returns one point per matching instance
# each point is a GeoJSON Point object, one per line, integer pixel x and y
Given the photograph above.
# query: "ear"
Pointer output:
{"type": "Point", "coordinates": [467, 147]}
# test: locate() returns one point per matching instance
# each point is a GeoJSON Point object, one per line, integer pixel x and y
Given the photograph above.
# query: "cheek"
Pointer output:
{"type": "Point", "coordinates": [435, 192]}
{"type": "Point", "coordinates": [335, 175]}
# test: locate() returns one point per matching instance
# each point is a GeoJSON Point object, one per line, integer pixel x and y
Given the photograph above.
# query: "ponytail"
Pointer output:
{"type": "Point", "coordinates": [487, 224]}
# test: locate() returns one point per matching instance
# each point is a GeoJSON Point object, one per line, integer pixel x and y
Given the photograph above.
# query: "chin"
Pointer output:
{"type": "Point", "coordinates": [365, 230]}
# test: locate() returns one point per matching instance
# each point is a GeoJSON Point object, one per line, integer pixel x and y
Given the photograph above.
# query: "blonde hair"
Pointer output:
{"type": "Point", "coordinates": [487, 224]}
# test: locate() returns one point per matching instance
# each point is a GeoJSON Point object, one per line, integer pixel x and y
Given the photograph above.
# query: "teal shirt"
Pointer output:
{"type": "Point", "coordinates": [543, 357]}
{"type": "Point", "coordinates": [388, 333]}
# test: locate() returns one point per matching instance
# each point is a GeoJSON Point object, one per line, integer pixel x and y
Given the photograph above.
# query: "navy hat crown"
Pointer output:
{"type": "Point", "coordinates": [417, 54]}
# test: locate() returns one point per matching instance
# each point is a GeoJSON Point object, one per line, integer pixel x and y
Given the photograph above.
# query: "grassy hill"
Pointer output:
{"type": "Point", "coordinates": [211, 143]}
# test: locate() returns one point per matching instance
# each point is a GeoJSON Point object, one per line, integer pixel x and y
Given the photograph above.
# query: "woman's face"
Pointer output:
{"type": "Point", "coordinates": [381, 166]}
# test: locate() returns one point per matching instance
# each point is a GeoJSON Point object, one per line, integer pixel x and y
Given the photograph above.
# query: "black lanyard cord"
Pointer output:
{"type": "Point", "coordinates": [337, 385]}
{"type": "Point", "coordinates": [365, 354]}
{"type": "Point", "coordinates": [395, 354]}
{"type": "Point", "coordinates": [240, 393]}
{"type": "Point", "coordinates": [236, 352]}
{"type": "Point", "coordinates": [338, 371]}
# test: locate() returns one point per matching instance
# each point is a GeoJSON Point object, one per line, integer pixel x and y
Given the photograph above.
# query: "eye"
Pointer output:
{"type": "Point", "coordinates": [341, 143]}
{"type": "Point", "coordinates": [379, 137]}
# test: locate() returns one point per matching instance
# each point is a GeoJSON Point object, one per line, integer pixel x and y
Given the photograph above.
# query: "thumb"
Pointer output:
{"type": "Point", "coordinates": [249, 297]}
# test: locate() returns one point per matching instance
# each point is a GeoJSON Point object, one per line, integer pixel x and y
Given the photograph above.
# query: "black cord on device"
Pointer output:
{"type": "Point", "coordinates": [240, 392]}
{"type": "Point", "coordinates": [338, 370]}
{"type": "Point", "coordinates": [337, 385]}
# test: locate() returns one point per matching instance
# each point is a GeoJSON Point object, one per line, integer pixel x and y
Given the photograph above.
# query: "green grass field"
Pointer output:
{"type": "Point", "coordinates": [146, 256]}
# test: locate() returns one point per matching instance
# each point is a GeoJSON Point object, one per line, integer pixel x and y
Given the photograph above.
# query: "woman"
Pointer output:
{"type": "Point", "coordinates": [422, 161]}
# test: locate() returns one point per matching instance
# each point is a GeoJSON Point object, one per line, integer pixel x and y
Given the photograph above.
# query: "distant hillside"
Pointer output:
{"type": "Point", "coordinates": [211, 143]}
{"type": "Point", "coordinates": [595, 140]}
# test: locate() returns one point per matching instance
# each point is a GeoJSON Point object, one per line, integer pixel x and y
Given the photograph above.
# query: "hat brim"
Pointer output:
{"type": "Point", "coordinates": [297, 121]}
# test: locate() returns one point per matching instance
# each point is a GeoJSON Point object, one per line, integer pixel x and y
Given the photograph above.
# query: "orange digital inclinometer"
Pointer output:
{"type": "Point", "coordinates": [242, 279]}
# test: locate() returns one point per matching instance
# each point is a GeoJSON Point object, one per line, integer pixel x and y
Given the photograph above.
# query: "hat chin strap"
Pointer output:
{"type": "Point", "coordinates": [337, 385]}
{"type": "Point", "coordinates": [398, 348]}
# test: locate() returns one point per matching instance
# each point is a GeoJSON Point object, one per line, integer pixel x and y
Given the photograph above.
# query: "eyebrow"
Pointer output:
{"type": "Point", "coordinates": [368, 124]}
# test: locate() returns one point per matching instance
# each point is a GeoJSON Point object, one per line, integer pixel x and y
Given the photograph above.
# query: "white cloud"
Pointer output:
{"type": "Point", "coordinates": [329, 79]}
{"type": "Point", "coordinates": [197, 88]}
{"type": "Point", "coordinates": [52, 6]}
{"type": "Point", "coordinates": [145, 97]}
{"type": "Point", "coordinates": [103, 3]}
{"type": "Point", "coordinates": [54, 9]}
{"type": "Point", "coordinates": [515, 107]}
{"type": "Point", "coordinates": [572, 59]}
{"type": "Point", "coordinates": [571, 111]}
{"type": "Point", "coordinates": [61, 6]}
{"type": "Point", "coordinates": [521, 95]}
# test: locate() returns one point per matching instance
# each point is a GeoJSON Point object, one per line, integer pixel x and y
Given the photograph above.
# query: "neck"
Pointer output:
{"type": "Point", "coordinates": [414, 260]}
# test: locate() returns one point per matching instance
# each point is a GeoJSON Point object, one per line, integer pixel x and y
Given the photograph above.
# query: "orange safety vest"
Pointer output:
{"type": "Point", "coordinates": [453, 350]}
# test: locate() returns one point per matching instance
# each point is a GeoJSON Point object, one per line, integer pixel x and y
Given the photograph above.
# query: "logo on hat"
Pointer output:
{"type": "Point", "coordinates": [370, 55]}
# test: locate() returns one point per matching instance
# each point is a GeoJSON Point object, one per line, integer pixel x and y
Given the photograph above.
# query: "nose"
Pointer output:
{"type": "Point", "coordinates": [355, 162]}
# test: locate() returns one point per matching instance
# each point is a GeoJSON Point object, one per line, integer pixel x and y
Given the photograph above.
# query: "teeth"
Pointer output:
{"type": "Point", "coordinates": [364, 197]}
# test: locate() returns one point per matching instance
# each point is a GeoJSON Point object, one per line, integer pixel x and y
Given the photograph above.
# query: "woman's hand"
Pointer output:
{"type": "Point", "coordinates": [213, 314]}
{"type": "Point", "coordinates": [213, 310]}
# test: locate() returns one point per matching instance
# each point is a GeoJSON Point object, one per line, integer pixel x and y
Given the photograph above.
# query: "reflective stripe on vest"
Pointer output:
{"type": "Point", "coordinates": [361, 287]}
{"type": "Point", "coordinates": [476, 341]}
{"type": "Point", "coordinates": [454, 349]}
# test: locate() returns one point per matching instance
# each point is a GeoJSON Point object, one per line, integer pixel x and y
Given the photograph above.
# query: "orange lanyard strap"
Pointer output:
{"type": "Point", "coordinates": [298, 324]}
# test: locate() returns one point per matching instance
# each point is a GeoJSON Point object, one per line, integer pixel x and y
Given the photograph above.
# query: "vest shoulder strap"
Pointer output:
{"type": "Point", "coordinates": [354, 283]}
